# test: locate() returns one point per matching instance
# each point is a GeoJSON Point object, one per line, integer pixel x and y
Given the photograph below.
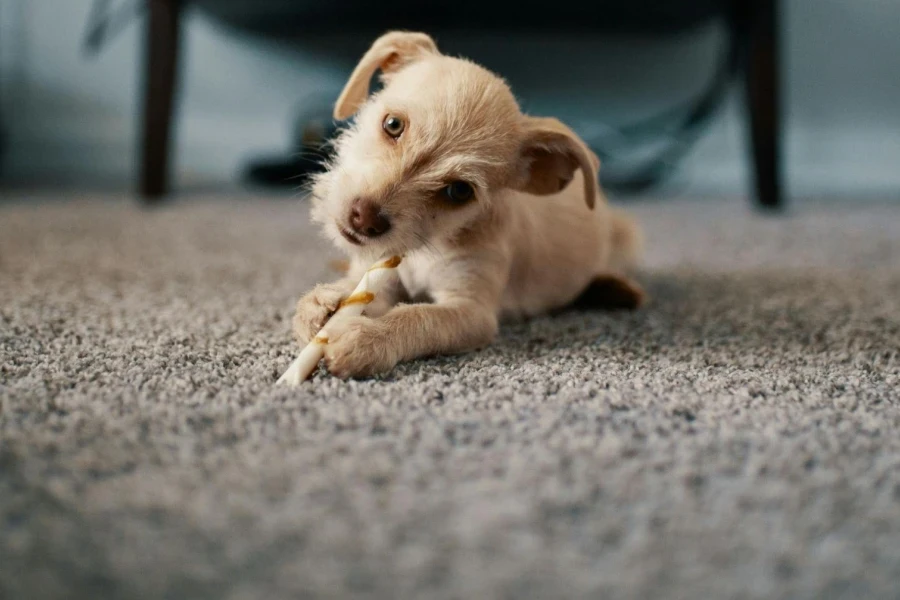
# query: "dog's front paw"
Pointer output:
{"type": "Point", "coordinates": [314, 309]}
{"type": "Point", "coordinates": [357, 347]}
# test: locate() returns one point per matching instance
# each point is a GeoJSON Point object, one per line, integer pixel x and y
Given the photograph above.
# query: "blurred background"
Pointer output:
{"type": "Point", "coordinates": [655, 88]}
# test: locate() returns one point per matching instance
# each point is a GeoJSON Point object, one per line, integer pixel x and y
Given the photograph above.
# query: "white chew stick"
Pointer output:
{"type": "Point", "coordinates": [372, 282]}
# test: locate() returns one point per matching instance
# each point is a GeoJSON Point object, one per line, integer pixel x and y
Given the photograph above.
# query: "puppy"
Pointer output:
{"type": "Point", "coordinates": [498, 213]}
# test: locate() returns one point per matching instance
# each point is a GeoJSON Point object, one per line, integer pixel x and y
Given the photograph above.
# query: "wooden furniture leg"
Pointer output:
{"type": "Point", "coordinates": [762, 81]}
{"type": "Point", "coordinates": [159, 91]}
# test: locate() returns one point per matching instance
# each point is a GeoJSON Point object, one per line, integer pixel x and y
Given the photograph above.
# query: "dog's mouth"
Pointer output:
{"type": "Point", "coordinates": [351, 237]}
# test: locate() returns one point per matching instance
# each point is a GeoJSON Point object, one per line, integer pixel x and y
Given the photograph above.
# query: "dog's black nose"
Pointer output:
{"type": "Point", "coordinates": [367, 219]}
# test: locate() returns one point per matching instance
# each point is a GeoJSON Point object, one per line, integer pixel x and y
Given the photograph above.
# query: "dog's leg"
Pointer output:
{"type": "Point", "coordinates": [316, 307]}
{"type": "Point", "coordinates": [611, 292]}
{"type": "Point", "coordinates": [363, 346]}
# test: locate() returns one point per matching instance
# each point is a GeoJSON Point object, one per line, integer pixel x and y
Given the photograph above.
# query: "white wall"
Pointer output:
{"type": "Point", "coordinates": [74, 119]}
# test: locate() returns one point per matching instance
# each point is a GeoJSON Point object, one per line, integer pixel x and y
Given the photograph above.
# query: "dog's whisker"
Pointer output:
{"type": "Point", "coordinates": [429, 247]}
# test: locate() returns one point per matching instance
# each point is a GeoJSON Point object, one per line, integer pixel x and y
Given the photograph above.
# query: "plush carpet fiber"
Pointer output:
{"type": "Point", "coordinates": [738, 438]}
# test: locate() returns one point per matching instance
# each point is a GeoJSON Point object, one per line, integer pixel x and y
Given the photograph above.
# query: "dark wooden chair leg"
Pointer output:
{"type": "Point", "coordinates": [763, 100]}
{"type": "Point", "coordinates": [159, 91]}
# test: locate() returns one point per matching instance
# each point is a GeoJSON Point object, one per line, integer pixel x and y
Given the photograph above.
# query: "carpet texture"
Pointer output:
{"type": "Point", "coordinates": [738, 438]}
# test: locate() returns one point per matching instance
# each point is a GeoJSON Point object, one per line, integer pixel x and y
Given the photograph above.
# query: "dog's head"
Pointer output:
{"type": "Point", "coordinates": [430, 151]}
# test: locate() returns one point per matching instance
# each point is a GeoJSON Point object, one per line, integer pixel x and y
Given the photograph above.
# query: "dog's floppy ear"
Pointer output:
{"type": "Point", "coordinates": [550, 154]}
{"type": "Point", "coordinates": [389, 53]}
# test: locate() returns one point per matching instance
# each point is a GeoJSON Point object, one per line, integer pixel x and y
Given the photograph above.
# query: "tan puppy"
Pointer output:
{"type": "Point", "coordinates": [499, 214]}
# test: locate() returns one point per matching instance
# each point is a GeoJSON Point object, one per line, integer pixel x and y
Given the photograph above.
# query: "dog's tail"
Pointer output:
{"type": "Point", "coordinates": [627, 241]}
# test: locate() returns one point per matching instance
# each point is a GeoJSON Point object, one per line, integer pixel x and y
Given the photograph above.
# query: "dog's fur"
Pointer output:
{"type": "Point", "coordinates": [536, 236]}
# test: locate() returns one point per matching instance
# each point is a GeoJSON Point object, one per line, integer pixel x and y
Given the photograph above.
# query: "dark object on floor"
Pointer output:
{"type": "Point", "coordinates": [314, 133]}
{"type": "Point", "coordinates": [291, 171]}
{"type": "Point", "coordinates": [757, 19]}
{"type": "Point", "coordinates": [611, 292]}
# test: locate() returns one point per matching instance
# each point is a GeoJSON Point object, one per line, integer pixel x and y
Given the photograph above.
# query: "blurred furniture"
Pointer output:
{"type": "Point", "coordinates": [757, 19]}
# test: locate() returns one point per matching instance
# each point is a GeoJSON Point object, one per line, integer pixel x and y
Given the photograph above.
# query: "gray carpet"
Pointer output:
{"type": "Point", "coordinates": [738, 438]}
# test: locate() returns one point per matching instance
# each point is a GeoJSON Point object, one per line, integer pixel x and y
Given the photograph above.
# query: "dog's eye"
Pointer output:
{"type": "Point", "coordinates": [393, 126]}
{"type": "Point", "coordinates": [459, 192]}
